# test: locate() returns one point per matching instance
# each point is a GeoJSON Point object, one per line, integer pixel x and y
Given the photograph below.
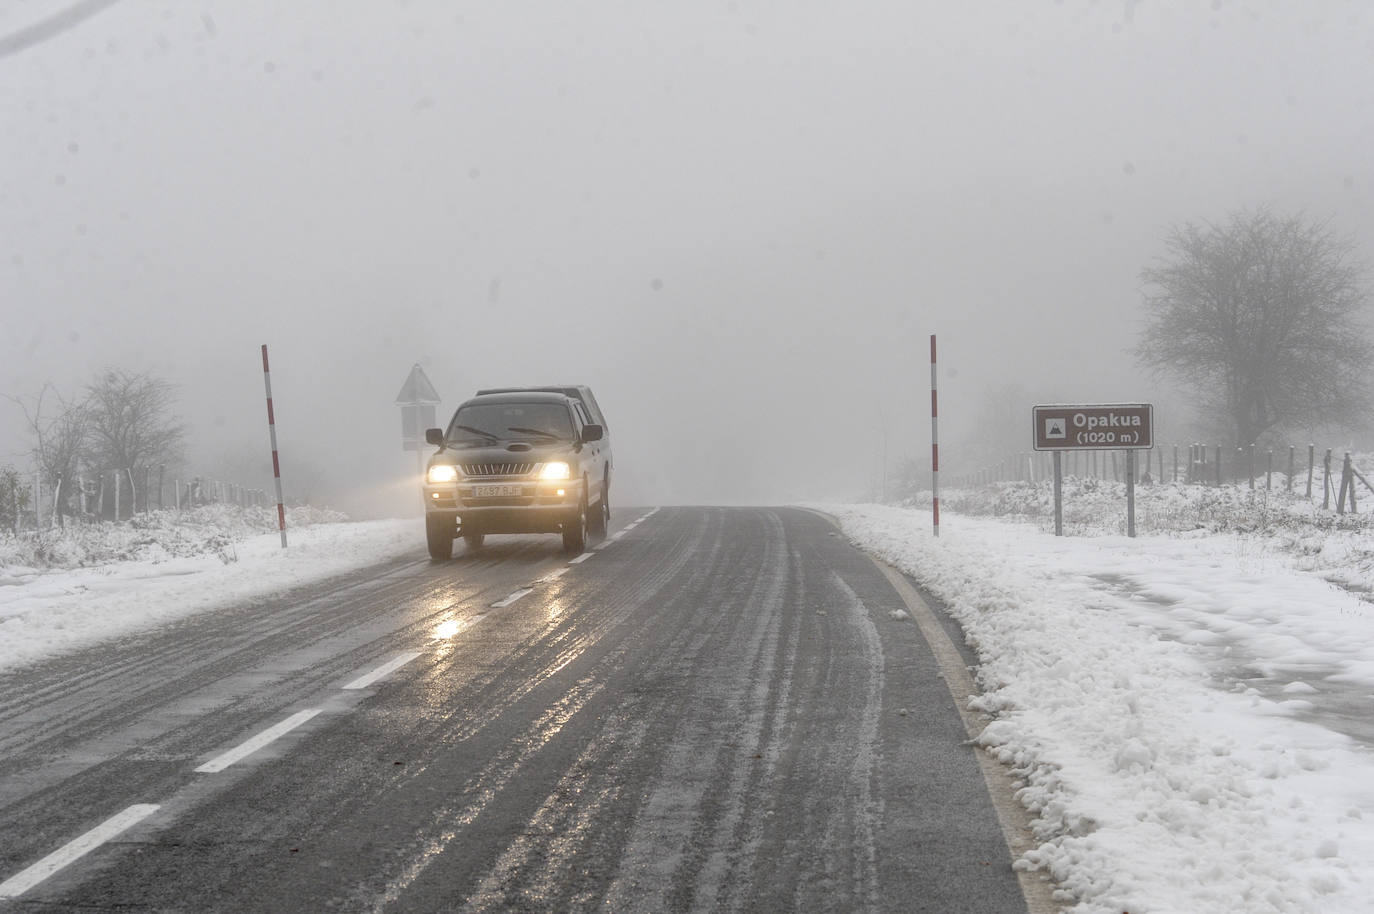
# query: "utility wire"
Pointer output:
{"type": "Point", "coordinates": [51, 27]}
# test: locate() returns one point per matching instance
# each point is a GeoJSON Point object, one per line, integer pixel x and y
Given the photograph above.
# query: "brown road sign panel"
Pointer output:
{"type": "Point", "coordinates": [1095, 427]}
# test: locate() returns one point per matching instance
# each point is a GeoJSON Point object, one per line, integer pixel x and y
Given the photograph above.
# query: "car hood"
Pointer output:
{"type": "Point", "coordinates": [536, 453]}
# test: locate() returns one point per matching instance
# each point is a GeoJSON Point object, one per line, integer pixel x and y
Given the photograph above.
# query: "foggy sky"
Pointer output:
{"type": "Point", "coordinates": [739, 222]}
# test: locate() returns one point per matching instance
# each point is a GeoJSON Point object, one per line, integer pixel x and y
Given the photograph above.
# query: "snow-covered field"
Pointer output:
{"type": "Point", "coordinates": [89, 584]}
{"type": "Point", "coordinates": [1189, 713]}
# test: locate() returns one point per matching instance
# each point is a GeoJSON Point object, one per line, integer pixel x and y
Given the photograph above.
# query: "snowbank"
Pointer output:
{"type": "Point", "coordinates": [111, 580]}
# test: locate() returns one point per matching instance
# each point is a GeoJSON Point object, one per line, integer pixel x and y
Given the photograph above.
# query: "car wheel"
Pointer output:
{"type": "Point", "coordinates": [575, 528]}
{"type": "Point", "coordinates": [596, 520]}
{"type": "Point", "coordinates": [439, 536]}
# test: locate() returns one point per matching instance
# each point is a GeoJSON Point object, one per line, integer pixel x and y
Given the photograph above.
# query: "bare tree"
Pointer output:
{"type": "Point", "coordinates": [1262, 317]}
{"type": "Point", "coordinates": [14, 498]}
{"type": "Point", "coordinates": [59, 434]}
{"type": "Point", "coordinates": [131, 423]}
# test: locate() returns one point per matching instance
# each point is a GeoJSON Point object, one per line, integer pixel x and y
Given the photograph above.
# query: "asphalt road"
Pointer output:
{"type": "Point", "coordinates": [716, 710]}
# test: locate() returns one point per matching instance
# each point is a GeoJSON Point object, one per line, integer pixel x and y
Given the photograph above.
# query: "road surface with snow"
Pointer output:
{"type": "Point", "coordinates": [717, 709]}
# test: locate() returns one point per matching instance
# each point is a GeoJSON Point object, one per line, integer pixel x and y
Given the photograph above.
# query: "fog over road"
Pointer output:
{"type": "Point", "coordinates": [716, 709]}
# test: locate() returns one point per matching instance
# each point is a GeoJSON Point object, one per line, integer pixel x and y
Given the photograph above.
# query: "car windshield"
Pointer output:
{"type": "Point", "coordinates": [488, 422]}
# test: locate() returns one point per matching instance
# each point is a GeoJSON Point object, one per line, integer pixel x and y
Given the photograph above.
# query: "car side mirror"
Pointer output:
{"type": "Point", "coordinates": [434, 436]}
{"type": "Point", "coordinates": [592, 433]}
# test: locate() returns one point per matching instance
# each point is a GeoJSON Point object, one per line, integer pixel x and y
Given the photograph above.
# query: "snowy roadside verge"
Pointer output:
{"type": "Point", "coordinates": [48, 612]}
{"type": "Point", "coordinates": [1158, 781]}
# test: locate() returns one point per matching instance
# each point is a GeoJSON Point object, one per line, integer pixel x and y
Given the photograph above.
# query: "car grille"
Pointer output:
{"type": "Point", "coordinates": [499, 469]}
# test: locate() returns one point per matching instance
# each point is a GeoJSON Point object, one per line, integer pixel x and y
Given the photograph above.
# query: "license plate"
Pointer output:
{"type": "Point", "coordinates": [495, 491]}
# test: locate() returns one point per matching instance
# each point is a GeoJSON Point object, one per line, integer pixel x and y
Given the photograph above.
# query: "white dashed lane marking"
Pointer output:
{"type": "Point", "coordinates": [74, 850]}
{"type": "Point", "coordinates": [266, 737]}
{"type": "Point", "coordinates": [385, 669]}
{"type": "Point", "coordinates": [502, 604]}
{"type": "Point", "coordinates": [111, 828]}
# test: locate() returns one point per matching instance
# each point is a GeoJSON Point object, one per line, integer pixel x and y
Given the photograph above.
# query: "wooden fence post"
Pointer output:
{"type": "Point", "coordinates": [1269, 472]}
{"type": "Point", "coordinates": [1350, 464]}
{"type": "Point", "coordinates": [1326, 481]}
{"type": "Point", "coordinates": [1290, 468]}
{"type": "Point", "coordinates": [1218, 465]}
{"type": "Point", "coordinates": [1311, 461]}
{"type": "Point", "coordinates": [1345, 484]}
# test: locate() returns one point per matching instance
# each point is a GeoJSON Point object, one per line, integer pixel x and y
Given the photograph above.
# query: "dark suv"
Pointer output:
{"type": "Point", "coordinates": [519, 460]}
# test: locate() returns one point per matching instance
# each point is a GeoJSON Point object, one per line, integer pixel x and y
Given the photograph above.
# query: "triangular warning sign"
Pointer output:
{"type": "Point", "coordinates": [417, 388]}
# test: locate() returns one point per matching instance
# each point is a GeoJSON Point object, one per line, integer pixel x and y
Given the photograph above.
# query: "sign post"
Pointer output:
{"type": "Point", "coordinates": [1058, 495]}
{"type": "Point", "coordinates": [1130, 493]}
{"type": "Point", "coordinates": [417, 400]}
{"type": "Point", "coordinates": [1096, 427]}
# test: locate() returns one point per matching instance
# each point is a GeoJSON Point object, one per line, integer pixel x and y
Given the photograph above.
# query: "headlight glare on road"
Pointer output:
{"type": "Point", "coordinates": [442, 472]}
{"type": "Point", "coordinates": [555, 470]}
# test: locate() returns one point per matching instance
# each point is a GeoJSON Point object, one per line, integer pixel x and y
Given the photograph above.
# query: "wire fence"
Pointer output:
{"type": "Point", "coordinates": [1323, 475]}
{"type": "Point", "coordinates": [111, 497]}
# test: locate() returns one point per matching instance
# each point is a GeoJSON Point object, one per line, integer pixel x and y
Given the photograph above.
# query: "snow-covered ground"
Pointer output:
{"type": "Point", "coordinates": [1190, 714]}
{"type": "Point", "coordinates": [103, 581]}
{"type": "Point", "coordinates": [1189, 711]}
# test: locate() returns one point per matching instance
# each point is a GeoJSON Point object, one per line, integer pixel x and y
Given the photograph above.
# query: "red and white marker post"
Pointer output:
{"type": "Point", "coordinates": [934, 439]}
{"type": "Point", "coordinates": [272, 431]}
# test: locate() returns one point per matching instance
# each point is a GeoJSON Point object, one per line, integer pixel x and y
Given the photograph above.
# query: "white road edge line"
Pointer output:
{"type": "Point", "coordinates": [74, 850]}
{"type": "Point", "coordinates": [247, 748]}
{"type": "Point", "coordinates": [502, 604]}
{"type": "Point", "coordinates": [385, 669]}
{"type": "Point", "coordinates": [581, 558]}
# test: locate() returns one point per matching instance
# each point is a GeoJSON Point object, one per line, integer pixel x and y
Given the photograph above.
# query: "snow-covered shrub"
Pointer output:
{"type": "Point", "coordinates": [157, 535]}
{"type": "Point", "coordinates": [1098, 506]}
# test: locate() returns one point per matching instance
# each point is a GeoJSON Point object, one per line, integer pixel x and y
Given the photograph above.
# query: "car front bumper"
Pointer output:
{"type": "Point", "coordinates": [506, 506]}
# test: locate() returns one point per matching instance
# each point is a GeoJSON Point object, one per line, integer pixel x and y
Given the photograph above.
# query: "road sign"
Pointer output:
{"type": "Point", "coordinates": [417, 400]}
{"type": "Point", "coordinates": [1097, 427]}
{"type": "Point", "coordinates": [417, 388]}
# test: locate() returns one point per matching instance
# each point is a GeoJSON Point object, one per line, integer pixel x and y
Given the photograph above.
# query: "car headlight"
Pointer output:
{"type": "Point", "coordinates": [555, 470]}
{"type": "Point", "coordinates": [442, 472]}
